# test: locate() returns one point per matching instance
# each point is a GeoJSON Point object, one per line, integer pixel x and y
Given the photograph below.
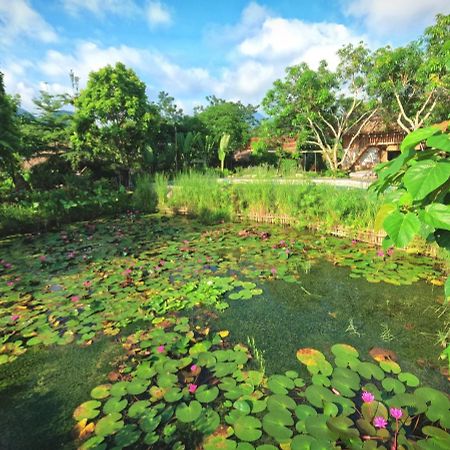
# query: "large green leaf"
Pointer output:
{"type": "Point", "coordinates": [401, 228]}
{"type": "Point", "coordinates": [438, 215]}
{"type": "Point", "coordinates": [426, 176]}
{"type": "Point", "coordinates": [417, 136]}
{"type": "Point", "coordinates": [440, 141]}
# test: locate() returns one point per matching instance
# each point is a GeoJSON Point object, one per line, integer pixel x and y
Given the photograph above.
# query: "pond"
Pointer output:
{"type": "Point", "coordinates": [71, 300]}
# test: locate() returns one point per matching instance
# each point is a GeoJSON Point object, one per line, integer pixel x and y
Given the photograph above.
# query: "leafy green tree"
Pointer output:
{"type": "Point", "coordinates": [112, 118]}
{"type": "Point", "coordinates": [10, 144]}
{"type": "Point", "coordinates": [232, 118]}
{"type": "Point", "coordinates": [413, 82]}
{"type": "Point", "coordinates": [49, 130]}
{"type": "Point", "coordinates": [171, 119]}
{"type": "Point", "coordinates": [311, 104]}
{"type": "Point", "coordinates": [187, 147]}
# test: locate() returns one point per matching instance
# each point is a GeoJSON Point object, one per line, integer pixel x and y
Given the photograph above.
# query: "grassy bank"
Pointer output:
{"type": "Point", "coordinates": [43, 210]}
{"type": "Point", "coordinates": [204, 197]}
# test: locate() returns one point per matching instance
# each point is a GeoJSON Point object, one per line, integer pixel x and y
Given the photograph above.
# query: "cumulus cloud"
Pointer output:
{"type": "Point", "coordinates": [252, 17]}
{"type": "Point", "coordinates": [158, 14]}
{"type": "Point", "coordinates": [264, 45]}
{"type": "Point", "coordinates": [18, 18]}
{"type": "Point", "coordinates": [15, 81]}
{"type": "Point", "coordinates": [387, 16]}
{"type": "Point", "coordinates": [292, 40]}
{"type": "Point", "coordinates": [156, 69]}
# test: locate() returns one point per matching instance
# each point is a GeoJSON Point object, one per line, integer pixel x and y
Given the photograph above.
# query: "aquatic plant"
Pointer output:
{"type": "Point", "coordinates": [258, 355]}
{"type": "Point", "coordinates": [98, 278]}
{"type": "Point", "coordinates": [199, 392]}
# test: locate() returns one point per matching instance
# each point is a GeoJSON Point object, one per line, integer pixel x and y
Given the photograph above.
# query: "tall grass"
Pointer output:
{"type": "Point", "coordinates": [202, 195]}
{"type": "Point", "coordinates": [144, 196]}
{"type": "Point", "coordinates": [161, 189]}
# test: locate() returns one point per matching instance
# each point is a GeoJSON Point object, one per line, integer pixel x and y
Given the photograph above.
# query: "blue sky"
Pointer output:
{"type": "Point", "coordinates": [234, 49]}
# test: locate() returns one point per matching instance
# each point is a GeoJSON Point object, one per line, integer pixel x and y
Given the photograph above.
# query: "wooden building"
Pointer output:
{"type": "Point", "coordinates": [289, 146]}
{"type": "Point", "coordinates": [377, 142]}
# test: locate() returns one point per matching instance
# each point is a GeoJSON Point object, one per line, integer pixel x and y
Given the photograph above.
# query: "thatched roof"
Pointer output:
{"type": "Point", "coordinates": [378, 124]}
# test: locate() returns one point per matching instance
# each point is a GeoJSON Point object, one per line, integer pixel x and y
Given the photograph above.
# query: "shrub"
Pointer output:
{"type": "Point", "coordinates": [145, 197]}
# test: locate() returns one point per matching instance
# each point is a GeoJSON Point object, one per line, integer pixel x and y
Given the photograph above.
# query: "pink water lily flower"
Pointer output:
{"type": "Point", "coordinates": [15, 317]}
{"type": "Point", "coordinates": [9, 283]}
{"type": "Point", "coordinates": [42, 258]}
{"type": "Point", "coordinates": [367, 397]}
{"type": "Point", "coordinates": [7, 265]}
{"type": "Point", "coordinates": [380, 253]}
{"type": "Point", "coordinates": [192, 388]}
{"type": "Point", "coordinates": [390, 251]}
{"type": "Point", "coordinates": [160, 349]}
{"type": "Point", "coordinates": [74, 298]}
{"type": "Point", "coordinates": [194, 367]}
{"type": "Point", "coordinates": [379, 422]}
{"type": "Point", "coordinates": [87, 284]}
{"type": "Point", "coordinates": [396, 413]}
{"type": "Point", "coordinates": [273, 270]}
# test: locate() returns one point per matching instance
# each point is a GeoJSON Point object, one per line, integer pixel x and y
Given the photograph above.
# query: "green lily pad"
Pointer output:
{"type": "Point", "coordinates": [276, 424]}
{"type": "Point", "coordinates": [137, 386]}
{"type": "Point", "coordinates": [109, 424]}
{"type": "Point", "coordinates": [247, 428]}
{"type": "Point", "coordinates": [208, 422]}
{"type": "Point", "coordinates": [188, 413]}
{"type": "Point", "coordinates": [205, 395]}
{"type": "Point", "coordinates": [409, 379]}
{"type": "Point", "coordinates": [138, 409]}
{"type": "Point", "coordinates": [127, 436]}
{"type": "Point", "coordinates": [87, 410]}
{"type": "Point", "coordinates": [280, 384]}
{"type": "Point", "coordinates": [115, 405]}
{"type": "Point", "coordinates": [101, 392]}
{"type": "Point", "coordinates": [343, 427]}
{"type": "Point", "coordinates": [149, 421]}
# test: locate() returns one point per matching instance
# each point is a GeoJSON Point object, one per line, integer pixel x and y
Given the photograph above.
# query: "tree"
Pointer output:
{"type": "Point", "coordinates": [112, 117]}
{"type": "Point", "coordinates": [9, 133]}
{"type": "Point", "coordinates": [412, 82]}
{"type": "Point", "coordinates": [232, 118]}
{"type": "Point", "coordinates": [49, 131]}
{"type": "Point", "coordinates": [312, 105]}
{"type": "Point", "coordinates": [171, 116]}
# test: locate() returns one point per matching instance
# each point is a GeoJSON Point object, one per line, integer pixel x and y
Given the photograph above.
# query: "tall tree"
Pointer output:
{"type": "Point", "coordinates": [320, 106]}
{"type": "Point", "coordinates": [233, 118]}
{"type": "Point", "coordinates": [9, 133]}
{"type": "Point", "coordinates": [413, 82]}
{"type": "Point", "coordinates": [112, 118]}
{"type": "Point", "coordinates": [49, 130]}
{"type": "Point", "coordinates": [172, 117]}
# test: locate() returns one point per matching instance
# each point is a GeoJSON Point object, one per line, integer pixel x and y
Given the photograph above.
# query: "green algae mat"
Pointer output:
{"type": "Point", "coordinates": [148, 316]}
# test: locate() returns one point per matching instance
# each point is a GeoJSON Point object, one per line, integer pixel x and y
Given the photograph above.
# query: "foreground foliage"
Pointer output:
{"type": "Point", "coordinates": [178, 388]}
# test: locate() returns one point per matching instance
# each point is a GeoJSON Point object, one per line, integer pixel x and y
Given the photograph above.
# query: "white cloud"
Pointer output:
{"type": "Point", "coordinates": [87, 57]}
{"type": "Point", "coordinates": [252, 17]}
{"type": "Point", "coordinates": [101, 7]}
{"type": "Point", "coordinates": [292, 40]}
{"type": "Point", "coordinates": [18, 18]}
{"type": "Point", "coordinates": [264, 45]}
{"type": "Point", "coordinates": [15, 82]}
{"type": "Point", "coordinates": [390, 17]}
{"type": "Point", "coordinates": [158, 14]}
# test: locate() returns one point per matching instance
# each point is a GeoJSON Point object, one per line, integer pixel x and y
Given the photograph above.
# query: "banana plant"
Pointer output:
{"type": "Point", "coordinates": [186, 142]}
{"type": "Point", "coordinates": [223, 149]}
